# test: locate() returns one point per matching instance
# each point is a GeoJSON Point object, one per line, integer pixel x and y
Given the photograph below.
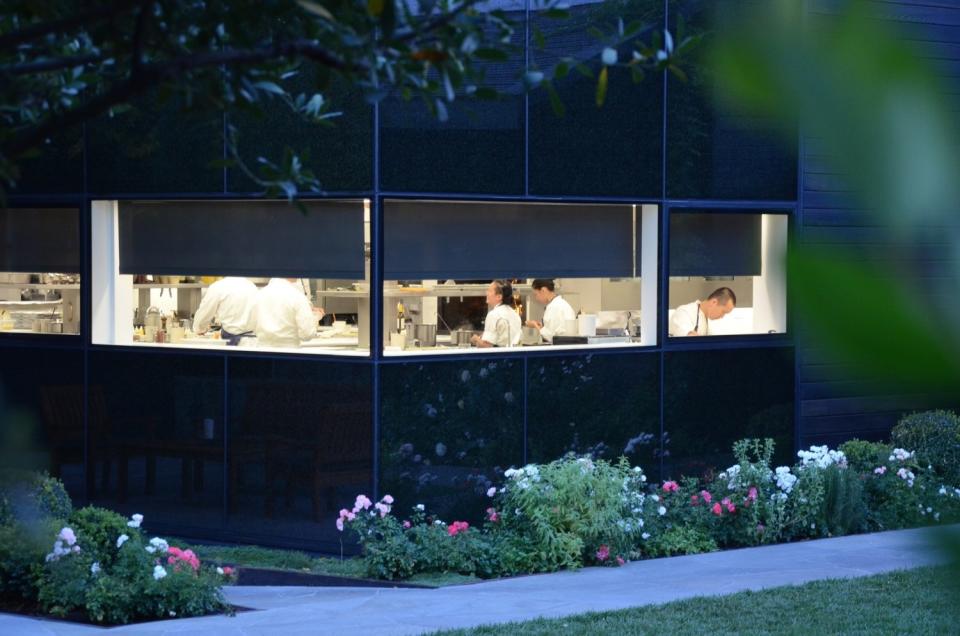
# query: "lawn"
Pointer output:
{"type": "Point", "coordinates": [922, 601]}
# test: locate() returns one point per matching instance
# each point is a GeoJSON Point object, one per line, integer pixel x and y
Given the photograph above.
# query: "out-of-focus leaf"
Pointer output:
{"type": "Point", "coordinates": [375, 7]}
{"type": "Point", "coordinates": [870, 318]}
{"type": "Point", "coordinates": [601, 96]}
{"type": "Point", "coordinates": [555, 102]}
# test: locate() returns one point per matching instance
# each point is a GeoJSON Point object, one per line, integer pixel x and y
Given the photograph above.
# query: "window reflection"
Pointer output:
{"type": "Point", "coordinates": [47, 303]}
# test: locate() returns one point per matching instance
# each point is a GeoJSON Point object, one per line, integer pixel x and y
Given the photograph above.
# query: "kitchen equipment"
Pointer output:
{"type": "Point", "coordinates": [426, 335]}
{"type": "Point", "coordinates": [176, 334]}
{"type": "Point", "coordinates": [187, 324]}
{"type": "Point", "coordinates": [529, 336]}
{"type": "Point", "coordinates": [152, 318]}
{"type": "Point", "coordinates": [461, 337]}
{"type": "Point", "coordinates": [587, 325]}
{"type": "Point", "coordinates": [398, 340]}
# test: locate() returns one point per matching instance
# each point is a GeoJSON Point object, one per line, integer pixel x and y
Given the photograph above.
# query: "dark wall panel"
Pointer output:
{"type": "Point", "coordinates": [448, 430]}
{"type": "Point", "coordinates": [40, 240]}
{"type": "Point", "coordinates": [606, 406]}
{"type": "Point", "coordinates": [300, 447]}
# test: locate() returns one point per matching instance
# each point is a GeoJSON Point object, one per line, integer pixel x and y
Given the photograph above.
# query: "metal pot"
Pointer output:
{"type": "Point", "coordinates": [461, 337]}
{"type": "Point", "coordinates": [426, 335]}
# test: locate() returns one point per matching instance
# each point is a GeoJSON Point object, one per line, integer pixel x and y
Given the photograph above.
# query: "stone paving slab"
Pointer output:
{"type": "Point", "coordinates": [301, 610]}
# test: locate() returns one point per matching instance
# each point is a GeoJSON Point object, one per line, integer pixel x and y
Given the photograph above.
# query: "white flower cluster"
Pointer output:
{"type": "Point", "coordinates": [157, 545]}
{"type": "Point", "coordinates": [785, 480]}
{"type": "Point", "coordinates": [731, 476]}
{"type": "Point", "coordinates": [822, 457]}
{"type": "Point", "coordinates": [900, 455]}
{"type": "Point", "coordinates": [121, 540]}
{"type": "Point", "coordinates": [523, 476]}
{"type": "Point", "coordinates": [135, 521]}
{"type": "Point", "coordinates": [159, 572]}
{"type": "Point", "coordinates": [907, 476]}
{"type": "Point", "coordinates": [65, 544]}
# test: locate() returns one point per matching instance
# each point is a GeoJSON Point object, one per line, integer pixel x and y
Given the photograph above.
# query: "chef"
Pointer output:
{"type": "Point", "coordinates": [284, 316]}
{"type": "Point", "coordinates": [231, 300]}
{"type": "Point", "coordinates": [556, 309]}
{"type": "Point", "coordinates": [502, 325]}
{"type": "Point", "coordinates": [693, 319]}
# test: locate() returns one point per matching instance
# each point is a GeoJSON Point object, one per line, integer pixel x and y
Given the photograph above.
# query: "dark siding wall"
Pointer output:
{"type": "Point", "coordinates": [833, 406]}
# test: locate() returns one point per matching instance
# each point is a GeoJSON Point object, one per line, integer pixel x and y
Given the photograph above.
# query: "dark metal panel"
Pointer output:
{"type": "Point", "coordinates": [40, 240]}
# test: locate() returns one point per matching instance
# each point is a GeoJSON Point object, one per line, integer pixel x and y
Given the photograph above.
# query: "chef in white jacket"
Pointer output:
{"type": "Point", "coordinates": [284, 317]}
{"type": "Point", "coordinates": [502, 325]}
{"type": "Point", "coordinates": [231, 300]}
{"type": "Point", "coordinates": [693, 319]}
{"type": "Point", "coordinates": [556, 310]}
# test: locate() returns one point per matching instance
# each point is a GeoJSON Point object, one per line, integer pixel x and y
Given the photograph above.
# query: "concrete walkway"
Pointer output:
{"type": "Point", "coordinates": [300, 610]}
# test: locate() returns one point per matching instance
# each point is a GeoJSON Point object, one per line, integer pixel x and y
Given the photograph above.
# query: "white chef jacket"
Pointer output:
{"type": "Point", "coordinates": [232, 301]}
{"type": "Point", "coordinates": [684, 319]}
{"type": "Point", "coordinates": [555, 314]}
{"type": "Point", "coordinates": [284, 316]}
{"type": "Point", "coordinates": [502, 327]}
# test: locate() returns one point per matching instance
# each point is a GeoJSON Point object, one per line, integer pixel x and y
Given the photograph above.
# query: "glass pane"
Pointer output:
{"type": "Point", "coordinates": [714, 152]}
{"type": "Point", "coordinates": [615, 150]}
{"type": "Point", "coordinates": [300, 447]}
{"type": "Point", "coordinates": [155, 148]}
{"type": "Point", "coordinates": [602, 405]}
{"type": "Point", "coordinates": [41, 414]}
{"type": "Point", "coordinates": [156, 437]}
{"type": "Point", "coordinates": [479, 149]}
{"type": "Point", "coordinates": [57, 170]}
{"type": "Point", "coordinates": [727, 273]}
{"type": "Point", "coordinates": [340, 155]}
{"type": "Point", "coordinates": [448, 431]}
{"type": "Point", "coordinates": [714, 398]}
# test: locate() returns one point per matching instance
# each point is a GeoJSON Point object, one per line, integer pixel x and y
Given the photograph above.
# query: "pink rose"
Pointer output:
{"type": "Point", "coordinates": [694, 500]}
{"type": "Point", "coordinates": [603, 553]}
{"type": "Point", "coordinates": [228, 571]}
{"type": "Point", "coordinates": [406, 525]}
{"type": "Point", "coordinates": [387, 499]}
{"type": "Point", "coordinates": [707, 497]}
{"type": "Point", "coordinates": [725, 502]}
{"type": "Point", "coordinates": [340, 524]}
{"type": "Point", "coordinates": [670, 486]}
{"type": "Point", "coordinates": [731, 507]}
{"type": "Point", "coordinates": [67, 536]}
{"type": "Point", "coordinates": [752, 493]}
{"type": "Point", "coordinates": [457, 527]}
{"type": "Point", "coordinates": [717, 510]}
{"type": "Point", "coordinates": [620, 560]}
{"type": "Point", "coordinates": [362, 503]}
{"type": "Point", "coordinates": [492, 515]}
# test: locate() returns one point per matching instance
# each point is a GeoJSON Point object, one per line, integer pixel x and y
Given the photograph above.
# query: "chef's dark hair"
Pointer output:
{"type": "Point", "coordinates": [540, 283]}
{"type": "Point", "coordinates": [723, 295]}
{"type": "Point", "coordinates": [505, 290]}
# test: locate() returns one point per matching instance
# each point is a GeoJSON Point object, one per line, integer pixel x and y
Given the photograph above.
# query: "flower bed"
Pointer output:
{"type": "Point", "coordinates": [96, 566]}
{"type": "Point", "coordinates": [579, 511]}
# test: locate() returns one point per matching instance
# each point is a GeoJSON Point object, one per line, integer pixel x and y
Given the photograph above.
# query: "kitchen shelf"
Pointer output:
{"type": "Point", "coordinates": [170, 286]}
{"type": "Point", "coordinates": [44, 286]}
{"type": "Point", "coordinates": [342, 293]}
{"type": "Point", "coordinates": [446, 291]}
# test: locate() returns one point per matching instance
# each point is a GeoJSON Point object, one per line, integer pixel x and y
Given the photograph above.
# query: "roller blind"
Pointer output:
{"type": "Point", "coordinates": [715, 244]}
{"type": "Point", "coordinates": [242, 238]}
{"type": "Point", "coordinates": [487, 240]}
{"type": "Point", "coordinates": [40, 240]}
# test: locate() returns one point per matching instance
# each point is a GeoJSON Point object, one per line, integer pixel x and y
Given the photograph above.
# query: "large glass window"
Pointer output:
{"type": "Point", "coordinates": [461, 275]}
{"type": "Point", "coordinates": [727, 273]}
{"type": "Point", "coordinates": [40, 270]}
{"type": "Point", "coordinates": [251, 274]}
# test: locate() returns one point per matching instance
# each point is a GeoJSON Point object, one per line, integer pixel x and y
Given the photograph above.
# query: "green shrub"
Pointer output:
{"type": "Point", "coordinates": [125, 580]}
{"type": "Point", "coordinates": [679, 540]}
{"type": "Point", "coordinates": [863, 456]}
{"type": "Point", "coordinates": [97, 530]}
{"type": "Point", "coordinates": [31, 496]}
{"type": "Point", "coordinates": [22, 549]}
{"type": "Point", "coordinates": [935, 437]}
{"type": "Point", "coordinates": [844, 507]}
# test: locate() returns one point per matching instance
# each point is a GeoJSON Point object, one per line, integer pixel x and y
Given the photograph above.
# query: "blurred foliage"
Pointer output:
{"type": "Point", "coordinates": [935, 437]}
{"type": "Point", "coordinates": [882, 119]}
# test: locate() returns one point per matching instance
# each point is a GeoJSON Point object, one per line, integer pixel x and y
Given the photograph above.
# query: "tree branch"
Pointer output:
{"type": "Point", "coordinates": [52, 64]}
{"type": "Point", "coordinates": [81, 19]}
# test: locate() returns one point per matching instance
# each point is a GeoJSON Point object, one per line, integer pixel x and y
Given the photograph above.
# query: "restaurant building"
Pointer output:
{"type": "Point", "coordinates": [649, 203]}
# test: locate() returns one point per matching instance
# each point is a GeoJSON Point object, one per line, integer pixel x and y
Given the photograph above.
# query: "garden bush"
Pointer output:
{"type": "Point", "coordinates": [130, 579]}
{"type": "Point", "coordinates": [844, 509]}
{"type": "Point", "coordinates": [935, 438]}
{"type": "Point", "coordinates": [680, 540]}
{"type": "Point", "coordinates": [863, 456]}
{"type": "Point", "coordinates": [28, 496]}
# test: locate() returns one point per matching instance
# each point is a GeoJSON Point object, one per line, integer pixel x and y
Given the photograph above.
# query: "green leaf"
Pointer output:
{"type": "Point", "coordinates": [555, 103]}
{"type": "Point", "coordinates": [495, 55]}
{"type": "Point", "coordinates": [868, 317]}
{"type": "Point", "coordinates": [270, 87]}
{"type": "Point", "coordinates": [317, 9]}
{"type": "Point", "coordinates": [562, 69]}
{"type": "Point", "coordinates": [556, 14]}
{"type": "Point", "coordinates": [538, 40]}
{"type": "Point", "coordinates": [583, 69]}
{"type": "Point", "coordinates": [602, 87]}
{"type": "Point", "coordinates": [375, 7]}
{"type": "Point", "coordinates": [636, 73]}
{"type": "Point", "coordinates": [485, 92]}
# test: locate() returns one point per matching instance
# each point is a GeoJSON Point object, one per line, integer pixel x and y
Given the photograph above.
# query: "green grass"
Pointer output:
{"type": "Point", "coordinates": [906, 602]}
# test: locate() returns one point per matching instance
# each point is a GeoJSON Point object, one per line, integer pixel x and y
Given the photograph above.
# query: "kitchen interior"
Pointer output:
{"type": "Point", "coordinates": [744, 252]}
{"type": "Point", "coordinates": [47, 303]}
